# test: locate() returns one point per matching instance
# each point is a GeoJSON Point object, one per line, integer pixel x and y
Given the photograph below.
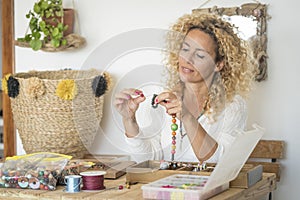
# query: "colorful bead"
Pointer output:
{"type": "Point", "coordinates": [174, 127]}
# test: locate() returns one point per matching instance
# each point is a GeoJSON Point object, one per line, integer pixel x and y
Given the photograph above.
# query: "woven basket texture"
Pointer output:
{"type": "Point", "coordinates": [49, 123]}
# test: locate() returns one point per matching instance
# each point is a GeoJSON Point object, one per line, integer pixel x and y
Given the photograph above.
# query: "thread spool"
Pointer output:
{"type": "Point", "coordinates": [72, 183]}
{"type": "Point", "coordinates": [93, 180]}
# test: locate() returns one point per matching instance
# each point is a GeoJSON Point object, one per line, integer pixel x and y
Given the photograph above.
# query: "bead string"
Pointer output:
{"type": "Point", "coordinates": [174, 128]}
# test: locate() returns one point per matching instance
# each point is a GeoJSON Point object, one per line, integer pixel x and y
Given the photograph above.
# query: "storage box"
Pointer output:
{"type": "Point", "coordinates": [149, 171]}
{"type": "Point", "coordinates": [114, 165]}
{"type": "Point", "coordinates": [189, 187]}
{"type": "Point", "coordinates": [248, 176]}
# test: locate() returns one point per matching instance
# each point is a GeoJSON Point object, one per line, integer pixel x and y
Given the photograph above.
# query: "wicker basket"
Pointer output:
{"type": "Point", "coordinates": [46, 122]}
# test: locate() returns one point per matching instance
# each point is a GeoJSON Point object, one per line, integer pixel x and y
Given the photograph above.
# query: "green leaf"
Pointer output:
{"type": "Point", "coordinates": [64, 42]}
{"type": "Point", "coordinates": [60, 26]}
{"type": "Point", "coordinates": [42, 24]}
{"type": "Point", "coordinates": [37, 8]}
{"type": "Point", "coordinates": [66, 27]}
{"type": "Point", "coordinates": [46, 32]}
{"type": "Point", "coordinates": [36, 44]}
{"type": "Point", "coordinates": [28, 15]}
{"type": "Point", "coordinates": [21, 39]}
{"type": "Point", "coordinates": [59, 13]}
{"type": "Point", "coordinates": [48, 14]}
{"type": "Point", "coordinates": [36, 35]}
{"type": "Point", "coordinates": [55, 43]}
{"type": "Point", "coordinates": [28, 37]}
{"type": "Point", "coordinates": [44, 5]}
{"type": "Point", "coordinates": [55, 32]}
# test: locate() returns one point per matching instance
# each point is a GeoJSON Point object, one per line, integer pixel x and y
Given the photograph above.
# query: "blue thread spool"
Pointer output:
{"type": "Point", "coordinates": [73, 183]}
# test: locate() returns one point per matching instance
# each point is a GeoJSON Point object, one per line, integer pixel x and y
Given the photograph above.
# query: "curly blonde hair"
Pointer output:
{"type": "Point", "coordinates": [238, 72]}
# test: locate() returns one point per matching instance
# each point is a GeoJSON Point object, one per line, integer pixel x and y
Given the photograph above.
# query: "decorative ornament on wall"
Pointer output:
{"type": "Point", "coordinates": [251, 12]}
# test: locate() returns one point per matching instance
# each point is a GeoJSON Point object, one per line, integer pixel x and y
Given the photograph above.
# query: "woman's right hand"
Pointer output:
{"type": "Point", "coordinates": [127, 102]}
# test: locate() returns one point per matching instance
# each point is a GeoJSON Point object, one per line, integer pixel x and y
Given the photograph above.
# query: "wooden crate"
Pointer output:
{"type": "Point", "coordinates": [248, 176]}
{"type": "Point", "coordinates": [114, 165]}
{"type": "Point", "coordinates": [148, 171]}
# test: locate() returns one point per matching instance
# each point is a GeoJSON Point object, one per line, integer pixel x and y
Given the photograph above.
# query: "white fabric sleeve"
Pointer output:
{"type": "Point", "coordinates": [235, 117]}
{"type": "Point", "coordinates": [143, 148]}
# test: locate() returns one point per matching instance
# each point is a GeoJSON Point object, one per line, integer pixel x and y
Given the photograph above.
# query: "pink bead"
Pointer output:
{"type": "Point", "coordinates": [173, 152]}
{"type": "Point", "coordinates": [173, 142]}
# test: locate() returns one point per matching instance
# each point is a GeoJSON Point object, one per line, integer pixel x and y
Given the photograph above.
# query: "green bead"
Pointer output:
{"type": "Point", "coordinates": [174, 127]}
{"type": "Point", "coordinates": [41, 173]}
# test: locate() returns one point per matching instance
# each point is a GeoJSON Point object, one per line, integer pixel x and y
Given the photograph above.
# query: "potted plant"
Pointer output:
{"type": "Point", "coordinates": [47, 24]}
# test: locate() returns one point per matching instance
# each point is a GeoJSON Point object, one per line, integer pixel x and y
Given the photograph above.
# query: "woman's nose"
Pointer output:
{"type": "Point", "coordinates": [190, 58]}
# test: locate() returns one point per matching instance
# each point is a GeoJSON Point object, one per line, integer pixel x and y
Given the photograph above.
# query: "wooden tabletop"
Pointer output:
{"type": "Point", "coordinates": [263, 187]}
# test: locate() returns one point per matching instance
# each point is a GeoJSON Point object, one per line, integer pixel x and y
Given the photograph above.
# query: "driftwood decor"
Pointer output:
{"type": "Point", "coordinates": [257, 12]}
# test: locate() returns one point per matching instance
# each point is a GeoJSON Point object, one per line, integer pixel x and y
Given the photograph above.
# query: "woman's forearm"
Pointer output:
{"type": "Point", "coordinates": [131, 127]}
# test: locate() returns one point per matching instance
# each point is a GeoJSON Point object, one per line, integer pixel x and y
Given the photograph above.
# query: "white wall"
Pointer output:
{"type": "Point", "coordinates": [274, 103]}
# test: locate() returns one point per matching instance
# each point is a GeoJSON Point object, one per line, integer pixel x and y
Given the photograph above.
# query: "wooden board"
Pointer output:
{"type": "Point", "coordinates": [271, 149]}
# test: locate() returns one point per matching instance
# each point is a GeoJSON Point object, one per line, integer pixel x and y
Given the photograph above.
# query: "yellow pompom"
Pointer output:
{"type": "Point", "coordinates": [4, 83]}
{"type": "Point", "coordinates": [66, 89]}
{"type": "Point", "coordinates": [34, 87]}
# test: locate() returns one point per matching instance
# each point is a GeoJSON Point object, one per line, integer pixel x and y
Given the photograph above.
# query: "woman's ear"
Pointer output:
{"type": "Point", "coordinates": [219, 66]}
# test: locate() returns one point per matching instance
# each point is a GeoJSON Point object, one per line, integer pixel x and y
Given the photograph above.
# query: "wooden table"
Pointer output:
{"type": "Point", "coordinates": [262, 188]}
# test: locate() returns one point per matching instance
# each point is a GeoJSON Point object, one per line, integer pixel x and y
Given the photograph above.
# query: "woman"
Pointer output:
{"type": "Point", "coordinates": [210, 73]}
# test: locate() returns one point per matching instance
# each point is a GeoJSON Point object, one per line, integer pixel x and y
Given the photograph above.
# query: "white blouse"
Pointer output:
{"type": "Point", "coordinates": [154, 140]}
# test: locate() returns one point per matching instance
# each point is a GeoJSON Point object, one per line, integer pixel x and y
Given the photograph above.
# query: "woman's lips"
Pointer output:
{"type": "Point", "coordinates": [187, 70]}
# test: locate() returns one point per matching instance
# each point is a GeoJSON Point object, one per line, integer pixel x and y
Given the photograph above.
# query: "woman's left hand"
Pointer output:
{"type": "Point", "coordinates": [171, 101]}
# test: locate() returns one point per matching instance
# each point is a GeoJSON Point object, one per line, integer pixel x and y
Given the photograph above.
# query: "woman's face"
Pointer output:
{"type": "Point", "coordinates": [197, 58]}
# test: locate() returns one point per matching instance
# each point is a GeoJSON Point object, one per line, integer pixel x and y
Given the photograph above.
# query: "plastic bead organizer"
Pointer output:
{"type": "Point", "coordinates": [180, 187]}
{"type": "Point", "coordinates": [193, 187]}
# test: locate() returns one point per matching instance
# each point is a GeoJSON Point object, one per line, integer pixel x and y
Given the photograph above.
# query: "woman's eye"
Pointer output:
{"type": "Point", "coordinates": [184, 49]}
{"type": "Point", "coordinates": [200, 56]}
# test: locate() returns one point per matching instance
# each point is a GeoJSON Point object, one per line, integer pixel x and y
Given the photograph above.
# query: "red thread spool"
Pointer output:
{"type": "Point", "coordinates": [93, 180]}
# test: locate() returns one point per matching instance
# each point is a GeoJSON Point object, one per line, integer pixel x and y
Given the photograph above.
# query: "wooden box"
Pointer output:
{"type": "Point", "coordinates": [114, 165]}
{"type": "Point", "coordinates": [149, 171]}
{"type": "Point", "coordinates": [248, 176]}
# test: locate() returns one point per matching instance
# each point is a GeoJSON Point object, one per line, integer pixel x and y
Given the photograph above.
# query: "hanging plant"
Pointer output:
{"type": "Point", "coordinates": [51, 28]}
{"type": "Point", "coordinates": [41, 30]}
{"type": "Point", "coordinates": [66, 89]}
